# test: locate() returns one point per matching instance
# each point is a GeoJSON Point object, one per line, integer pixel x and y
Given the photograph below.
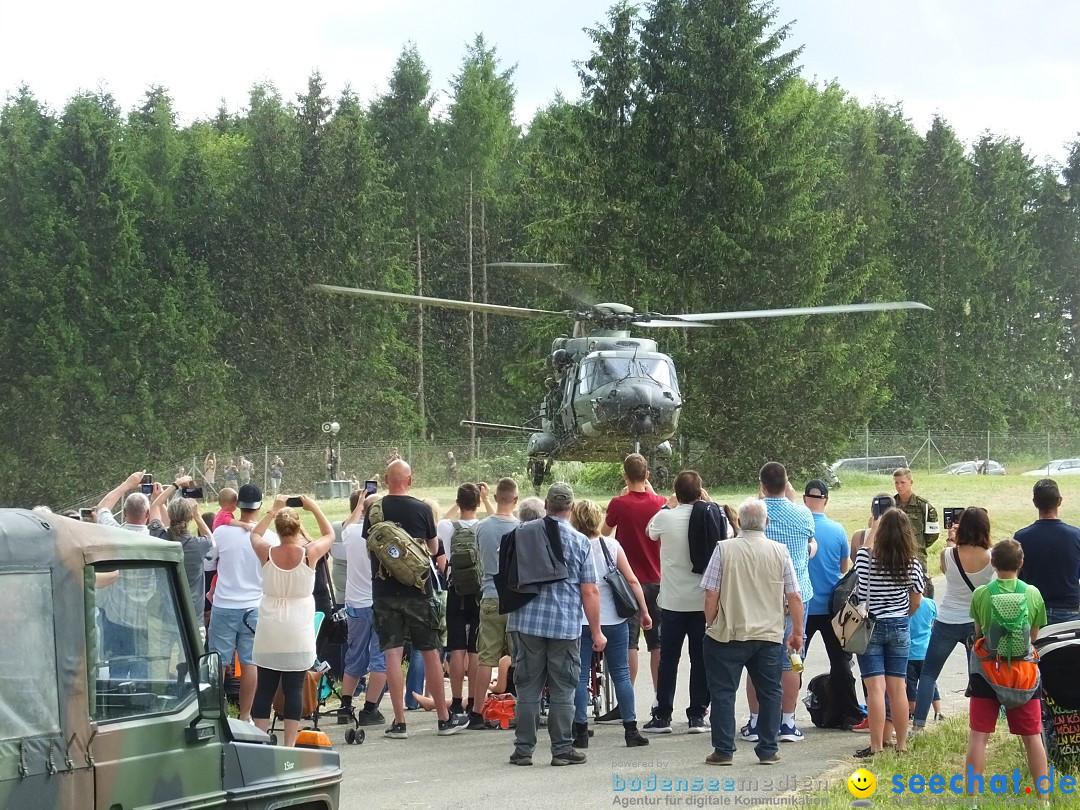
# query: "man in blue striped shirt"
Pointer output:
{"type": "Point", "coordinates": [547, 640]}
{"type": "Point", "coordinates": [792, 524]}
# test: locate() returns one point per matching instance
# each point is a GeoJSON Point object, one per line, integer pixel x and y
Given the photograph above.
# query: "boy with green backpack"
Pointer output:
{"type": "Point", "coordinates": [1004, 673]}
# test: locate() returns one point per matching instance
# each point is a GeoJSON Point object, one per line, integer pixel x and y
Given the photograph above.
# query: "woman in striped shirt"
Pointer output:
{"type": "Point", "coordinates": [890, 581]}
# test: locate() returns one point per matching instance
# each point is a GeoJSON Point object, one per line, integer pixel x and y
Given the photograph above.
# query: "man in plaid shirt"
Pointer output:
{"type": "Point", "coordinates": [547, 640]}
{"type": "Point", "coordinates": [791, 524]}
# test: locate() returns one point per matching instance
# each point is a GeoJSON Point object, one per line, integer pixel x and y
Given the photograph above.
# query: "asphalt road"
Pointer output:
{"type": "Point", "coordinates": [471, 769]}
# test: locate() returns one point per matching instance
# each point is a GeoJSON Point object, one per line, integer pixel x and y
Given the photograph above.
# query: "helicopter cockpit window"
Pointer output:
{"type": "Point", "coordinates": [600, 371]}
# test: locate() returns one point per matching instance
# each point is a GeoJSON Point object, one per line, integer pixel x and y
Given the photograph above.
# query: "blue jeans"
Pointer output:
{"type": "Point", "coordinates": [616, 656]}
{"type": "Point", "coordinates": [887, 652]}
{"type": "Point", "coordinates": [414, 679]}
{"type": "Point", "coordinates": [674, 626]}
{"type": "Point", "coordinates": [943, 640]}
{"type": "Point", "coordinates": [1058, 615]}
{"type": "Point", "coordinates": [724, 663]}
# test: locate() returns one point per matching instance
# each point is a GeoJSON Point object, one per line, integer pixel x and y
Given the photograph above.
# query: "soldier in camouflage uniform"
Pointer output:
{"type": "Point", "coordinates": [923, 517]}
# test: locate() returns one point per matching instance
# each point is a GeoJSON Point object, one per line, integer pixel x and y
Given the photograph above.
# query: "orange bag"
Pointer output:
{"type": "Point", "coordinates": [1014, 682]}
{"type": "Point", "coordinates": [311, 695]}
{"type": "Point", "coordinates": [499, 709]}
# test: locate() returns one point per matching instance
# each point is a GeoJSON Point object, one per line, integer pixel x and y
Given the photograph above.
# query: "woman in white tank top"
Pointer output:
{"type": "Point", "coordinates": [968, 544]}
{"type": "Point", "coordinates": [285, 634]}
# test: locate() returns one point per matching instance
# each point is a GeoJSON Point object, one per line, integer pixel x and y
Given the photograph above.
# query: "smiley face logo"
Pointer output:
{"type": "Point", "coordinates": [862, 784]}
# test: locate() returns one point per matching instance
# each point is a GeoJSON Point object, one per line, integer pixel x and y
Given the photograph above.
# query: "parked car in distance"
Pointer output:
{"type": "Point", "coordinates": [1060, 466]}
{"type": "Point", "coordinates": [974, 468]}
{"type": "Point", "coordinates": [876, 465]}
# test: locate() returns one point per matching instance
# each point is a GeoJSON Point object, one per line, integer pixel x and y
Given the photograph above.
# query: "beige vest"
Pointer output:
{"type": "Point", "coordinates": [752, 601]}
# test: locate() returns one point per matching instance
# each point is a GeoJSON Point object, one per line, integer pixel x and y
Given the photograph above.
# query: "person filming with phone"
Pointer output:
{"type": "Point", "coordinates": [284, 647]}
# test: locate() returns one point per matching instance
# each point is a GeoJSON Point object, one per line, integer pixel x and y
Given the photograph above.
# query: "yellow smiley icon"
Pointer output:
{"type": "Point", "coordinates": [862, 784]}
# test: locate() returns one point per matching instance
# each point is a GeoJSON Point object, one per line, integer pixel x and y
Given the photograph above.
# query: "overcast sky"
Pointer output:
{"type": "Point", "coordinates": [1006, 66]}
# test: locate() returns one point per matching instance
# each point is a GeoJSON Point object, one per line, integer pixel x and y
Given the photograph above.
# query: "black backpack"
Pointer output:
{"type": "Point", "coordinates": [819, 703]}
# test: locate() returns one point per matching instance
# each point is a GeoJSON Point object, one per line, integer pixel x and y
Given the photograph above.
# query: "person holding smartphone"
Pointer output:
{"type": "Point", "coordinates": [284, 645]}
{"type": "Point", "coordinates": [890, 581]}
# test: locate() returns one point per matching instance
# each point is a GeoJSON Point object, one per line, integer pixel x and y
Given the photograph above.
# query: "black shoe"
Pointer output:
{"type": "Point", "coordinates": [580, 734]}
{"type": "Point", "coordinates": [476, 721]}
{"type": "Point", "coordinates": [615, 713]}
{"type": "Point", "coordinates": [396, 732]}
{"type": "Point", "coordinates": [456, 707]}
{"type": "Point", "coordinates": [452, 725]}
{"type": "Point", "coordinates": [372, 718]}
{"type": "Point", "coordinates": [571, 757]}
{"type": "Point", "coordinates": [698, 725]}
{"type": "Point", "coordinates": [864, 753]}
{"type": "Point", "coordinates": [520, 759]}
{"type": "Point", "coordinates": [658, 725]}
{"type": "Point", "coordinates": [633, 736]}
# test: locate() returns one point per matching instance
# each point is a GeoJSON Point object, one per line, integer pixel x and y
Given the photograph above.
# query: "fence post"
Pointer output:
{"type": "Point", "coordinates": [866, 452]}
{"type": "Point", "coordinates": [929, 447]}
{"type": "Point", "coordinates": [266, 464]}
{"type": "Point", "coordinates": [988, 452]}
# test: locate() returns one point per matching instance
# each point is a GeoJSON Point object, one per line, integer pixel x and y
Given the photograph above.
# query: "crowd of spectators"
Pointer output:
{"type": "Point", "coordinates": [745, 588]}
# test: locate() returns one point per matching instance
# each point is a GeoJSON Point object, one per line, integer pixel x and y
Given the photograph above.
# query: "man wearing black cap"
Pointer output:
{"type": "Point", "coordinates": [825, 568]}
{"type": "Point", "coordinates": [237, 594]}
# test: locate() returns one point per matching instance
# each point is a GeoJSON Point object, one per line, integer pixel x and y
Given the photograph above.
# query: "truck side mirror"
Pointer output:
{"type": "Point", "coordinates": [211, 689]}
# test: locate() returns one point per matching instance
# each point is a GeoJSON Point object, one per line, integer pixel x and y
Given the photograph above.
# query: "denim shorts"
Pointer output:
{"type": "Point", "coordinates": [887, 653]}
{"type": "Point", "coordinates": [232, 631]}
{"type": "Point", "coordinates": [785, 661]}
{"type": "Point", "coordinates": [362, 655]}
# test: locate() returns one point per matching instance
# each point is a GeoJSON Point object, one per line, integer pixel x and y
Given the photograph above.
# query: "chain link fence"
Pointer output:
{"type": "Point", "coordinates": [932, 451]}
{"type": "Point", "coordinates": [306, 468]}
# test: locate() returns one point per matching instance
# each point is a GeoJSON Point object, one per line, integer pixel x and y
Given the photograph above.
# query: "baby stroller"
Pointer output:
{"type": "Point", "coordinates": [601, 691]}
{"type": "Point", "coordinates": [318, 688]}
{"type": "Point", "coordinates": [1058, 646]}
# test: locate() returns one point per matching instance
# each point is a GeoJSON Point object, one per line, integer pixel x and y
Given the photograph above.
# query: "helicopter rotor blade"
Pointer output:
{"type": "Point", "coordinates": [445, 303]}
{"type": "Point", "coordinates": [673, 324]}
{"type": "Point", "coordinates": [834, 309]}
{"type": "Point", "coordinates": [533, 269]}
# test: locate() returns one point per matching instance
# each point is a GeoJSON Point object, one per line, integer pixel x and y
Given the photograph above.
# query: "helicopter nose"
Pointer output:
{"type": "Point", "coordinates": [640, 410]}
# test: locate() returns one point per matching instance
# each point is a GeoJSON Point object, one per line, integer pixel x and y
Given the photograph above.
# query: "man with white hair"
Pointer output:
{"type": "Point", "coordinates": [530, 509]}
{"type": "Point", "coordinates": [123, 603]}
{"type": "Point", "coordinates": [746, 584]}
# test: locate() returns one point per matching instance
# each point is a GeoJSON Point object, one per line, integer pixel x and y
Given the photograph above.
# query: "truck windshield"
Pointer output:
{"type": "Point", "coordinates": [142, 665]}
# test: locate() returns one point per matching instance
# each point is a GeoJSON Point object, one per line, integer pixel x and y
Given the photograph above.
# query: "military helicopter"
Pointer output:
{"type": "Point", "coordinates": [607, 394]}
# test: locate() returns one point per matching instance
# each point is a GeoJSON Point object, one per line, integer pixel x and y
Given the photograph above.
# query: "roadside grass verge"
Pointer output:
{"type": "Point", "coordinates": [938, 750]}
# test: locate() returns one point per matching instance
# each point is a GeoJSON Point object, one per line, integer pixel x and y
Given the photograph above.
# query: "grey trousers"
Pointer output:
{"type": "Point", "coordinates": [540, 662]}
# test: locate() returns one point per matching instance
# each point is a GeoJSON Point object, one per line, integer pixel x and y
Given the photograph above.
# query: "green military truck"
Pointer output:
{"type": "Point", "coordinates": [107, 700]}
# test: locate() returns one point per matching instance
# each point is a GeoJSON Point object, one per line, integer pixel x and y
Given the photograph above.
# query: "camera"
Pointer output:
{"type": "Point", "coordinates": [951, 515]}
{"type": "Point", "coordinates": [191, 492]}
{"type": "Point", "coordinates": [296, 502]}
{"type": "Point", "coordinates": [147, 485]}
{"type": "Point", "coordinates": [881, 505]}
{"type": "Point", "coordinates": [86, 514]}
{"type": "Point", "coordinates": [371, 486]}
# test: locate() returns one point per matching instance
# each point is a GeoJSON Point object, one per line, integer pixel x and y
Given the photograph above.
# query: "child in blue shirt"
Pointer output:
{"type": "Point", "coordinates": [919, 627]}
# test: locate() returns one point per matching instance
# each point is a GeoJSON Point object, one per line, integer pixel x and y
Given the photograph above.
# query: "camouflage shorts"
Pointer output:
{"type": "Point", "coordinates": [417, 619]}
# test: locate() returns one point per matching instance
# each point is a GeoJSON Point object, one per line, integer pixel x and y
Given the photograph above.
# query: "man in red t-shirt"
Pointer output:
{"type": "Point", "coordinates": [627, 516]}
